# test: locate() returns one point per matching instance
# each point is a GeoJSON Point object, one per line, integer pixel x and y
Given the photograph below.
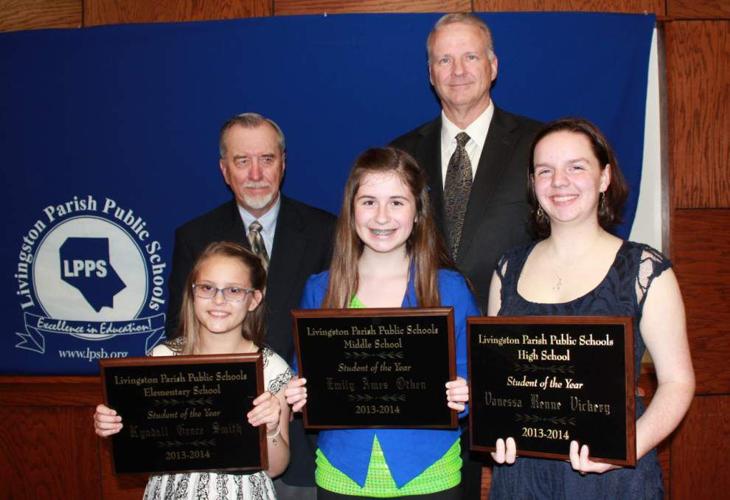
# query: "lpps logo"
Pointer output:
{"type": "Point", "coordinates": [89, 269]}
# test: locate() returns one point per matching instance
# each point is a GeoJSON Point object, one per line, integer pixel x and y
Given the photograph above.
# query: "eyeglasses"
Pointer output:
{"type": "Point", "coordinates": [230, 293]}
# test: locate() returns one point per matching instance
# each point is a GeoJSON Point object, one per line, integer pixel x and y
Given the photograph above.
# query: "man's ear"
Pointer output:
{"type": "Point", "coordinates": [224, 170]}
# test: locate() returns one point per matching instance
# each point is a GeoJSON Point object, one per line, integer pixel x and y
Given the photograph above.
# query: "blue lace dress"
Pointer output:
{"type": "Point", "coordinates": [621, 293]}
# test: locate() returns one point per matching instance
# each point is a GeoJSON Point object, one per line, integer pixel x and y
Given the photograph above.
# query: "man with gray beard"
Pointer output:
{"type": "Point", "coordinates": [293, 239]}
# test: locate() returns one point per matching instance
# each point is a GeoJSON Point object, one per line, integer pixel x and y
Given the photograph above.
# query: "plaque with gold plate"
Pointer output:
{"type": "Point", "coordinates": [185, 413]}
{"type": "Point", "coordinates": [376, 367]}
{"type": "Point", "coordinates": [549, 380]}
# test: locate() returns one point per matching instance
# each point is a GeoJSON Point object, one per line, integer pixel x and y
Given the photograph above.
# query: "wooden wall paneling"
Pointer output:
{"type": "Point", "coordinates": [698, 97]}
{"type": "Point", "coordinates": [625, 6]}
{"type": "Point", "coordinates": [47, 441]}
{"type": "Point", "coordinates": [300, 7]}
{"type": "Point", "coordinates": [48, 453]}
{"type": "Point", "coordinates": [16, 15]}
{"type": "Point", "coordinates": [700, 450]}
{"type": "Point", "coordinates": [701, 255]}
{"type": "Point", "coordinates": [49, 391]}
{"type": "Point", "coordinates": [698, 9]}
{"type": "Point", "coordinates": [48, 448]}
{"type": "Point", "coordinates": [486, 479]}
{"type": "Point", "coordinates": [98, 12]}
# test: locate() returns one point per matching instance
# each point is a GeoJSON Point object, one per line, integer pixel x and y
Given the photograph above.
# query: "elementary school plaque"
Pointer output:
{"type": "Point", "coordinates": [376, 367]}
{"type": "Point", "coordinates": [184, 413]}
{"type": "Point", "coordinates": [549, 380]}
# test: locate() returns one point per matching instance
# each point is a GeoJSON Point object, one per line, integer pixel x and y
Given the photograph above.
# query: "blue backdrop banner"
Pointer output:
{"type": "Point", "coordinates": [109, 141]}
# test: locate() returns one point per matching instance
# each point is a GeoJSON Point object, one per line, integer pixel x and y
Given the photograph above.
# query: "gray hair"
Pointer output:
{"type": "Point", "coordinates": [464, 18]}
{"type": "Point", "coordinates": [250, 120]}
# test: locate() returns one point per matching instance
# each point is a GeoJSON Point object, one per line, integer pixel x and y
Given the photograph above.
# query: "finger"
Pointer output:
{"type": "Point", "coordinates": [265, 412]}
{"type": "Point", "coordinates": [574, 458]}
{"type": "Point", "coordinates": [299, 405]}
{"type": "Point", "coordinates": [297, 382]}
{"type": "Point", "coordinates": [291, 392]}
{"type": "Point", "coordinates": [455, 406]}
{"type": "Point", "coordinates": [510, 454]}
{"type": "Point", "coordinates": [457, 382]}
{"type": "Point", "coordinates": [105, 410]}
{"type": "Point", "coordinates": [460, 397]}
{"type": "Point", "coordinates": [102, 418]}
{"type": "Point", "coordinates": [252, 416]}
{"type": "Point", "coordinates": [294, 390]}
{"type": "Point", "coordinates": [458, 389]}
{"type": "Point", "coordinates": [499, 452]}
{"type": "Point", "coordinates": [108, 424]}
{"type": "Point", "coordinates": [264, 396]}
{"type": "Point", "coordinates": [585, 461]}
{"type": "Point", "coordinates": [297, 397]}
{"type": "Point", "coordinates": [108, 431]}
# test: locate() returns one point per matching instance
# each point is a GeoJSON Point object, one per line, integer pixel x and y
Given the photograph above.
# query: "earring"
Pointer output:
{"type": "Point", "coordinates": [539, 213]}
{"type": "Point", "coordinates": [602, 203]}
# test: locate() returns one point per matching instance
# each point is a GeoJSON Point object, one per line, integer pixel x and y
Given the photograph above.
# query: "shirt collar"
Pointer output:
{"type": "Point", "coordinates": [477, 130]}
{"type": "Point", "coordinates": [267, 221]}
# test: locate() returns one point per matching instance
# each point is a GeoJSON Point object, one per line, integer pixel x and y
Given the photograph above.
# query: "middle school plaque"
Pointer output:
{"type": "Point", "coordinates": [376, 367]}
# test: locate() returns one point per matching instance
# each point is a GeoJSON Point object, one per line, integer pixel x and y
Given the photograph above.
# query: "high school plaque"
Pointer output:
{"type": "Point", "coordinates": [185, 413]}
{"type": "Point", "coordinates": [549, 380]}
{"type": "Point", "coordinates": [376, 367]}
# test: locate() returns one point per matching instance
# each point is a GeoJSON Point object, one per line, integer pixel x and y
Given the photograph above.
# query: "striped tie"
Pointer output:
{"type": "Point", "coordinates": [257, 242]}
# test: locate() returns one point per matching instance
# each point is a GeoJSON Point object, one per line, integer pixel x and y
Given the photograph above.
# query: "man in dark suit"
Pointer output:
{"type": "Point", "coordinates": [476, 157]}
{"type": "Point", "coordinates": [493, 212]}
{"type": "Point", "coordinates": [297, 237]}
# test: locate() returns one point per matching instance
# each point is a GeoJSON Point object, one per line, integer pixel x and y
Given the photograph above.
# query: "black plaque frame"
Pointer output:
{"type": "Point", "coordinates": [166, 429]}
{"type": "Point", "coordinates": [405, 368]}
{"type": "Point", "coordinates": [515, 389]}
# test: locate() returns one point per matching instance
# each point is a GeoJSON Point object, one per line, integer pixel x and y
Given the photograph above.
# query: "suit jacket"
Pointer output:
{"type": "Point", "coordinates": [496, 216]}
{"type": "Point", "coordinates": [302, 246]}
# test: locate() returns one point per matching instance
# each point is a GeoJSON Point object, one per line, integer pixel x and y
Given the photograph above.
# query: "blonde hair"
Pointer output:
{"type": "Point", "coordinates": [463, 18]}
{"type": "Point", "coordinates": [254, 325]}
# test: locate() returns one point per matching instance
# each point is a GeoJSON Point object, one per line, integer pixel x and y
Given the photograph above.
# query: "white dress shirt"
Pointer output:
{"type": "Point", "coordinates": [477, 132]}
{"type": "Point", "coordinates": [267, 221]}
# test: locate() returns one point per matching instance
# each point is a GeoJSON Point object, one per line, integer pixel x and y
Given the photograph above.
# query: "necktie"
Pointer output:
{"type": "Point", "coordinates": [456, 192]}
{"type": "Point", "coordinates": [257, 242]}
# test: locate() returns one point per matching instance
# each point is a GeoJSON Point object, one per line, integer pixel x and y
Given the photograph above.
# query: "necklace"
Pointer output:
{"type": "Point", "coordinates": [558, 284]}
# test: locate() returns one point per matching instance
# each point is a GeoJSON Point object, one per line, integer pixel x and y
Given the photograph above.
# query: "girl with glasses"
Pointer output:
{"type": "Point", "coordinates": [223, 313]}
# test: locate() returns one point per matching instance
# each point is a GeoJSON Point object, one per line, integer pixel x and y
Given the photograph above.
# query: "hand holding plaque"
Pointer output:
{"type": "Point", "coordinates": [549, 381]}
{"type": "Point", "coordinates": [376, 368]}
{"type": "Point", "coordinates": [186, 413]}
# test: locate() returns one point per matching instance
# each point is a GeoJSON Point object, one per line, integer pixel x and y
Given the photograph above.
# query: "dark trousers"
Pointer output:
{"type": "Point", "coordinates": [471, 471]}
{"type": "Point", "coordinates": [450, 494]}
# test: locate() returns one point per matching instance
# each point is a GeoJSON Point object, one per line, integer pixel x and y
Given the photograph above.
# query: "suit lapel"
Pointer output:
{"type": "Point", "coordinates": [428, 156]}
{"type": "Point", "coordinates": [495, 158]}
{"type": "Point", "coordinates": [234, 229]}
{"type": "Point", "coordinates": [286, 254]}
